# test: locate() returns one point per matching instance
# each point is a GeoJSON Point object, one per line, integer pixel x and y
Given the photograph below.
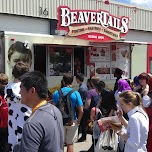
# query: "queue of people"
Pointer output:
{"type": "Point", "coordinates": [29, 123]}
{"type": "Point", "coordinates": [25, 113]}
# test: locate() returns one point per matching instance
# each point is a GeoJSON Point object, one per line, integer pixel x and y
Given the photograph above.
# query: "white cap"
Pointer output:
{"type": "Point", "coordinates": [146, 101]}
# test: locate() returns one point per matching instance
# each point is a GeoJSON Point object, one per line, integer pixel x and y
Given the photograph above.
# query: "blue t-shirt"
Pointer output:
{"type": "Point", "coordinates": [75, 98]}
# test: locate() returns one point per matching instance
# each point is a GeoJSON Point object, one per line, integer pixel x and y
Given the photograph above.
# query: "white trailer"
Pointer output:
{"type": "Point", "coordinates": [40, 46]}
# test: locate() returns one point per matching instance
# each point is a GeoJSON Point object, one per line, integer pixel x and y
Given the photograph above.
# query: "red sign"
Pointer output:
{"type": "Point", "coordinates": [92, 25]}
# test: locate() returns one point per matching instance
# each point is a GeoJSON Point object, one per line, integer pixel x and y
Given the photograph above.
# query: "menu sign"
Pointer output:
{"type": "Point", "coordinates": [92, 25]}
{"type": "Point", "coordinates": [101, 53]}
{"type": "Point", "coordinates": [120, 58]}
{"type": "Point", "coordinates": [106, 58]}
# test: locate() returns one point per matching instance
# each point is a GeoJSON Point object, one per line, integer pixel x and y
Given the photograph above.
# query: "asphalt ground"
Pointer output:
{"type": "Point", "coordinates": [82, 146]}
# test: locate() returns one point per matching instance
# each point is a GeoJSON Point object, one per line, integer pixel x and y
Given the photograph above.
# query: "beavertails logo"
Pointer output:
{"type": "Point", "coordinates": [92, 25]}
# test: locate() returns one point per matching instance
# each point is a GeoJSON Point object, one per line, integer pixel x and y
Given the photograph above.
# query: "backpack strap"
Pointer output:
{"type": "Point", "coordinates": [141, 113]}
{"type": "Point", "coordinates": [60, 92]}
{"type": "Point", "coordinates": [70, 106]}
{"type": "Point", "coordinates": [70, 92]}
{"type": "Point", "coordinates": [60, 96]}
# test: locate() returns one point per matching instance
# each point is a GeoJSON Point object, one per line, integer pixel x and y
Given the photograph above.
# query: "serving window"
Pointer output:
{"type": "Point", "coordinates": [60, 61]}
{"type": "Point", "coordinates": [66, 59]}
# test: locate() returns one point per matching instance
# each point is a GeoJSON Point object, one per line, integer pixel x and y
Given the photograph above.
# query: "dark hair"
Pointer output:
{"type": "Point", "coordinates": [19, 69]}
{"type": "Point", "coordinates": [68, 78]}
{"type": "Point", "coordinates": [100, 86]}
{"type": "Point", "coordinates": [3, 79]}
{"type": "Point", "coordinates": [143, 76]}
{"type": "Point", "coordinates": [80, 77]}
{"type": "Point", "coordinates": [130, 96]}
{"type": "Point", "coordinates": [37, 80]}
{"type": "Point", "coordinates": [118, 71]}
{"type": "Point", "coordinates": [89, 81]}
{"type": "Point", "coordinates": [26, 54]}
{"type": "Point", "coordinates": [95, 80]}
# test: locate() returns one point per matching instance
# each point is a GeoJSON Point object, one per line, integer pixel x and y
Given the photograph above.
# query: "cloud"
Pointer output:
{"type": "Point", "coordinates": [144, 3]}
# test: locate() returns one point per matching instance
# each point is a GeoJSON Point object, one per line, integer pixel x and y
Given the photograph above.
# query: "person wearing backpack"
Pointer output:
{"type": "Point", "coordinates": [66, 99]}
{"type": "Point", "coordinates": [3, 114]}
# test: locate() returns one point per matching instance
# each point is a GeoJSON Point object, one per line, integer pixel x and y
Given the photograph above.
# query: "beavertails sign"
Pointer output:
{"type": "Point", "coordinates": [92, 25]}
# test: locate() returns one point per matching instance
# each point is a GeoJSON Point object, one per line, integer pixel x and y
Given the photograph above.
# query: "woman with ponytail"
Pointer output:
{"type": "Point", "coordinates": [138, 124]}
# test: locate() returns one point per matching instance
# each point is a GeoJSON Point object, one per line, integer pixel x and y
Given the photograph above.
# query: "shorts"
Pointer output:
{"type": "Point", "coordinates": [71, 133]}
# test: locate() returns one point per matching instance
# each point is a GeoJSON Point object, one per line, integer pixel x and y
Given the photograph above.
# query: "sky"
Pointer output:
{"type": "Point", "coordinates": [142, 3]}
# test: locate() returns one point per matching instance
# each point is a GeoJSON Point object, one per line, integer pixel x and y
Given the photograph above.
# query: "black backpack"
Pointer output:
{"type": "Point", "coordinates": [65, 107]}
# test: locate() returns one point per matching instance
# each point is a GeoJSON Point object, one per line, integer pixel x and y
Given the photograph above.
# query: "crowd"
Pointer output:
{"type": "Point", "coordinates": [30, 123]}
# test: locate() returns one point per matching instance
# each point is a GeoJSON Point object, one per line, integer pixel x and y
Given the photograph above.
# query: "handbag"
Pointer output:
{"type": "Point", "coordinates": [107, 142]}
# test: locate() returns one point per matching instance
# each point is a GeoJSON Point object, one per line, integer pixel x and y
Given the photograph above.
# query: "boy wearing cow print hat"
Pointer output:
{"type": "Point", "coordinates": [18, 113]}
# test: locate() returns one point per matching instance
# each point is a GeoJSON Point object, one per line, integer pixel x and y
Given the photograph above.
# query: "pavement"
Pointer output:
{"type": "Point", "coordinates": [82, 146]}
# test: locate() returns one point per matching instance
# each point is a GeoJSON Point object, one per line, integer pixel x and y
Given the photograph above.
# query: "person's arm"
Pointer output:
{"type": "Point", "coordinates": [80, 113]}
{"type": "Point", "coordinates": [92, 114]}
{"type": "Point", "coordinates": [31, 138]}
{"type": "Point", "coordinates": [87, 104]}
{"type": "Point", "coordinates": [123, 135]}
{"type": "Point", "coordinates": [88, 100]}
{"type": "Point", "coordinates": [79, 105]}
{"type": "Point", "coordinates": [121, 118]}
{"type": "Point", "coordinates": [99, 102]}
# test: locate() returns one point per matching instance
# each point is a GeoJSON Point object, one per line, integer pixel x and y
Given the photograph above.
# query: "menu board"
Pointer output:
{"type": "Point", "coordinates": [101, 53]}
{"type": "Point", "coordinates": [120, 58]}
{"type": "Point", "coordinates": [106, 58]}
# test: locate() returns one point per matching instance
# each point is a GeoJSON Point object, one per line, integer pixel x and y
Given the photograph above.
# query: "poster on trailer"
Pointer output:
{"type": "Point", "coordinates": [102, 69]}
{"type": "Point", "coordinates": [120, 58]}
{"type": "Point", "coordinates": [101, 53]}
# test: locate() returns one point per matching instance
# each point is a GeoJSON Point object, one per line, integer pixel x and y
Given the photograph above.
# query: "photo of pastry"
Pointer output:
{"type": "Point", "coordinates": [103, 70]}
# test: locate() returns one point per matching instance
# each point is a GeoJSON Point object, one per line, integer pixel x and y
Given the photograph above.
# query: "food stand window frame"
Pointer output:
{"type": "Point", "coordinates": [72, 59]}
{"type": "Point", "coordinates": [59, 67]}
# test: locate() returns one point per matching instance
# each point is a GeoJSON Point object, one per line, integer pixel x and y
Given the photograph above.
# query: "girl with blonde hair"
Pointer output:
{"type": "Point", "coordinates": [138, 124]}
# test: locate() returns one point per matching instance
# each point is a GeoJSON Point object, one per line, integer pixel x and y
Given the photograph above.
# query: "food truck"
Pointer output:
{"type": "Point", "coordinates": [52, 55]}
